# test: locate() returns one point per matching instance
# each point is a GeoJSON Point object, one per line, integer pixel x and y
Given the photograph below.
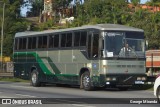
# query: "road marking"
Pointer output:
{"type": "Point", "coordinates": [6, 97]}
{"type": "Point", "coordinates": [79, 105]}
{"type": "Point", "coordinates": [24, 87]}
{"type": "Point", "coordinates": [25, 95]}
{"type": "Point", "coordinates": [68, 101]}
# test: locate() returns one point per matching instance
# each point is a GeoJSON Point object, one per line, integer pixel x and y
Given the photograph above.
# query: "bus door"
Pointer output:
{"type": "Point", "coordinates": [93, 51]}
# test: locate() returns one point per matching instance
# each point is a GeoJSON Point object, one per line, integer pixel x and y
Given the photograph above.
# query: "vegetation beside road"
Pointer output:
{"type": "Point", "coordinates": [12, 79]}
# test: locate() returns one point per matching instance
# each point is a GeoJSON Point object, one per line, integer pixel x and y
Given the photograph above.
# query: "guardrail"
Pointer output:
{"type": "Point", "coordinates": [6, 74]}
{"type": "Point", "coordinates": [6, 69]}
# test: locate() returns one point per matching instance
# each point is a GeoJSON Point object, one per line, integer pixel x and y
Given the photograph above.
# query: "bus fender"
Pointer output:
{"type": "Point", "coordinates": [82, 70]}
{"type": "Point", "coordinates": [33, 68]}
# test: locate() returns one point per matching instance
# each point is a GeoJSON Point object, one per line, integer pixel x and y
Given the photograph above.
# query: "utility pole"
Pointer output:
{"type": "Point", "coordinates": [2, 34]}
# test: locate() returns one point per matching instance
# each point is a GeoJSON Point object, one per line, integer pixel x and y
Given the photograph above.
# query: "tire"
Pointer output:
{"type": "Point", "coordinates": [81, 85]}
{"type": "Point", "coordinates": [34, 79]}
{"type": "Point", "coordinates": [86, 81]}
{"type": "Point", "coordinates": [158, 94]}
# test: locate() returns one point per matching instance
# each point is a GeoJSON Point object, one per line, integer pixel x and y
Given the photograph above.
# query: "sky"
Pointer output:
{"type": "Point", "coordinates": [144, 1]}
{"type": "Point", "coordinates": [24, 9]}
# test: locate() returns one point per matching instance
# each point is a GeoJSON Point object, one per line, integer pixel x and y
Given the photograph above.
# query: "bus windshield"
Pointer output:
{"type": "Point", "coordinates": [121, 44]}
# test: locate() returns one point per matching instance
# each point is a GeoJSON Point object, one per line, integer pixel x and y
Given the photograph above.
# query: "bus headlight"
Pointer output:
{"type": "Point", "coordinates": [108, 79]}
{"type": "Point", "coordinates": [111, 79]}
{"type": "Point", "coordinates": [143, 78]}
{"type": "Point", "coordinates": [114, 79]}
{"type": "Point", "coordinates": [139, 78]}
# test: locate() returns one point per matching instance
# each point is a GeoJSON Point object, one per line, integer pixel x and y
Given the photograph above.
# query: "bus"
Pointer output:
{"type": "Point", "coordinates": [88, 56]}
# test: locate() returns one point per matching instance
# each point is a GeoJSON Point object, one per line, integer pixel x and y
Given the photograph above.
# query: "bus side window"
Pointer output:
{"type": "Point", "coordinates": [24, 43]}
{"type": "Point", "coordinates": [89, 45]}
{"type": "Point", "coordinates": [30, 43]}
{"type": "Point", "coordinates": [42, 42]}
{"type": "Point", "coordinates": [69, 40]}
{"type": "Point", "coordinates": [63, 40]}
{"type": "Point", "coordinates": [20, 43]}
{"type": "Point", "coordinates": [76, 38]}
{"type": "Point", "coordinates": [34, 42]}
{"type": "Point", "coordinates": [53, 41]}
{"type": "Point", "coordinates": [56, 40]}
{"type": "Point", "coordinates": [83, 38]}
{"type": "Point", "coordinates": [95, 45]}
{"type": "Point", "coordinates": [16, 44]}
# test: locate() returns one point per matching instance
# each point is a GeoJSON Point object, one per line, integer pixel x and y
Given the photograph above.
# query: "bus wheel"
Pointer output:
{"type": "Point", "coordinates": [34, 79]}
{"type": "Point", "coordinates": [86, 81]}
{"type": "Point", "coordinates": [158, 94]}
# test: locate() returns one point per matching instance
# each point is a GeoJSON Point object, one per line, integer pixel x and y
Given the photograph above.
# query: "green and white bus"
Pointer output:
{"type": "Point", "coordinates": [89, 56]}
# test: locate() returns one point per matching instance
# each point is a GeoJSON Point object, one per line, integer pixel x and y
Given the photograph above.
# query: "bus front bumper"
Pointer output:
{"type": "Point", "coordinates": [122, 79]}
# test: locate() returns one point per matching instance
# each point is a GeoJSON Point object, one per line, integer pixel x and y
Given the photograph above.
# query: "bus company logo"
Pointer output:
{"type": "Point", "coordinates": [6, 101]}
{"type": "Point", "coordinates": [94, 65]}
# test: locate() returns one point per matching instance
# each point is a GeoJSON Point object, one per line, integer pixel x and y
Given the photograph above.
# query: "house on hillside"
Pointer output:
{"type": "Point", "coordinates": [145, 6]}
{"type": "Point", "coordinates": [50, 13]}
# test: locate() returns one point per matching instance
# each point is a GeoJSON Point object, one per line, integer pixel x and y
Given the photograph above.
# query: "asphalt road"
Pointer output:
{"type": "Point", "coordinates": [73, 96]}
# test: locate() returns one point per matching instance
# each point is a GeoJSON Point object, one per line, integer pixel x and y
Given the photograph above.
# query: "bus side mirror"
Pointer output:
{"type": "Point", "coordinates": [146, 44]}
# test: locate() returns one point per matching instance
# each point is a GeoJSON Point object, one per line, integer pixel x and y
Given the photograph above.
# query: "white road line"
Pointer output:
{"type": "Point", "coordinates": [80, 105]}
{"type": "Point", "coordinates": [68, 101]}
{"type": "Point", "coordinates": [6, 97]}
{"type": "Point", "coordinates": [23, 87]}
{"type": "Point", "coordinates": [25, 95]}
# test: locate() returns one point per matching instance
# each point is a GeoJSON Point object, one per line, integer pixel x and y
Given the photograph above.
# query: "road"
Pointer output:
{"type": "Point", "coordinates": [73, 96]}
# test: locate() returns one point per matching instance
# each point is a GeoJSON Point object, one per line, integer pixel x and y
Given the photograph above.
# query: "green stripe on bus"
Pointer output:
{"type": "Point", "coordinates": [53, 66]}
{"type": "Point", "coordinates": [67, 75]}
{"type": "Point", "coordinates": [42, 65]}
{"type": "Point", "coordinates": [38, 59]}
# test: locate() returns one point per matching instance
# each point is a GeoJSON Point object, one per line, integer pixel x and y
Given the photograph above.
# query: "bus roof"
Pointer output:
{"type": "Point", "coordinates": [110, 27]}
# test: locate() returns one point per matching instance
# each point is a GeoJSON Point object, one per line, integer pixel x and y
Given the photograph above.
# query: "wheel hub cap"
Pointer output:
{"type": "Point", "coordinates": [86, 81]}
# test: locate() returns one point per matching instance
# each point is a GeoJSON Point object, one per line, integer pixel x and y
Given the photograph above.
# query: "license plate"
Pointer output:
{"type": "Point", "coordinates": [139, 82]}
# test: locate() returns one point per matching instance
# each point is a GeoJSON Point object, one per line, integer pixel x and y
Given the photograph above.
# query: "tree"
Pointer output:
{"type": "Point", "coordinates": [12, 23]}
{"type": "Point", "coordinates": [36, 7]}
{"type": "Point", "coordinates": [60, 5]}
{"type": "Point", "coordinates": [102, 11]}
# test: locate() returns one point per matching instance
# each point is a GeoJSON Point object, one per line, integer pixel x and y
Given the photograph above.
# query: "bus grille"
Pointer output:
{"type": "Point", "coordinates": [126, 79]}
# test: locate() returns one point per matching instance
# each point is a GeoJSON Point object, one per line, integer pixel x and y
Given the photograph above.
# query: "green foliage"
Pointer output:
{"type": "Point", "coordinates": [12, 24]}
{"type": "Point", "coordinates": [102, 11]}
{"type": "Point", "coordinates": [155, 1]}
{"type": "Point", "coordinates": [45, 25]}
{"type": "Point", "coordinates": [13, 79]}
{"type": "Point", "coordinates": [111, 11]}
{"type": "Point", "coordinates": [135, 2]}
{"type": "Point", "coordinates": [37, 7]}
{"type": "Point", "coordinates": [90, 12]}
{"type": "Point", "coordinates": [61, 3]}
